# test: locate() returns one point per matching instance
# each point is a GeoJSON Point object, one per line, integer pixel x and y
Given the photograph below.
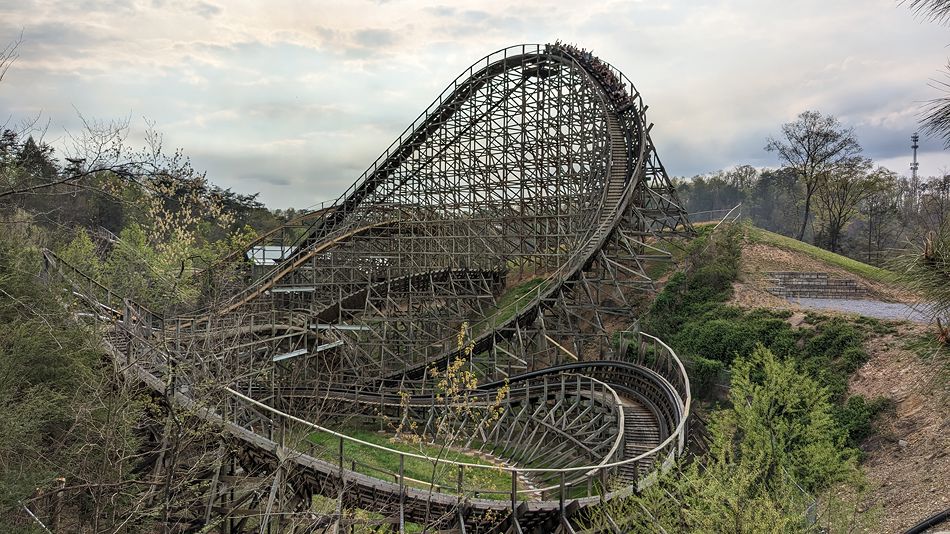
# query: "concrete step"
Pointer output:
{"type": "Point", "coordinates": [813, 285]}
{"type": "Point", "coordinates": [797, 274]}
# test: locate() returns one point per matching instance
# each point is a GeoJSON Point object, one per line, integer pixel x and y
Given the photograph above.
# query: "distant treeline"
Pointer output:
{"type": "Point", "coordinates": [862, 217]}
{"type": "Point", "coordinates": [825, 192]}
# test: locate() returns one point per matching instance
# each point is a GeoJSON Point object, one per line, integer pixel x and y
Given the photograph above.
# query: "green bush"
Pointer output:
{"type": "Point", "coordinates": [719, 339]}
{"type": "Point", "coordinates": [852, 359]}
{"type": "Point", "coordinates": [704, 373]}
{"type": "Point", "coordinates": [712, 266]}
{"type": "Point", "coordinates": [856, 416]}
{"type": "Point", "coordinates": [61, 412]}
{"type": "Point", "coordinates": [776, 438]}
{"type": "Point", "coordinates": [723, 332]}
{"type": "Point", "coordinates": [834, 350]}
{"type": "Point", "coordinates": [833, 338]}
{"type": "Point", "coordinates": [713, 279]}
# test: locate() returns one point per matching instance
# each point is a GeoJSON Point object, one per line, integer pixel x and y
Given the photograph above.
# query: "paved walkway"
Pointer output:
{"type": "Point", "coordinates": [870, 308]}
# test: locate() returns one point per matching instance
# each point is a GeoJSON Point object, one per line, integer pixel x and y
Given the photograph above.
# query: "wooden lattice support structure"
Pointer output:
{"type": "Point", "coordinates": [521, 209]}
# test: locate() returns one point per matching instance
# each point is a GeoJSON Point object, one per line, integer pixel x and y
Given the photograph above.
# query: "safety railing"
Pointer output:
{"type": "Point", "coordinates": [585, 390]}
{"type": "Point", "coordinates": [142, 351]}
{"type": "Point", "coordinates": [718, 216]}
{"type": "Point", "coordinates": [574, 481]}
{"type": "Point", "coordinates": [104, 301]}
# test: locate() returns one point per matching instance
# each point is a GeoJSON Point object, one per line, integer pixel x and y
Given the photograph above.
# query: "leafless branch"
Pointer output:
{"type": "Point", "coordinates": [8, 55]}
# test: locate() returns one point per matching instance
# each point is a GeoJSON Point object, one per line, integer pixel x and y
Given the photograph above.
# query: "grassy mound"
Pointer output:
{"type": "Point", "coordinates": [870, 272]}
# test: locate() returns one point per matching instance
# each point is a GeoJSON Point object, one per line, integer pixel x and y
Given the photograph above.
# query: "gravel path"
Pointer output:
{"type": "Point", "coordinates": [870, 308]}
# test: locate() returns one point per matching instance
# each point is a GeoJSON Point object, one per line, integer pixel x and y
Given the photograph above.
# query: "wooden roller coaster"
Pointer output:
{"type": "Point", "coordinates": [502, 237]}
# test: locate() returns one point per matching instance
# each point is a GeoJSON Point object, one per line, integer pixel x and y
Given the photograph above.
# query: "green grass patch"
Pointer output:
{"type": "Point", "coordinates": [418, 472]}
{"type": "Point", "coordinates": [510, 303]}
{"type": "Point", "coordinates": [864, 270]}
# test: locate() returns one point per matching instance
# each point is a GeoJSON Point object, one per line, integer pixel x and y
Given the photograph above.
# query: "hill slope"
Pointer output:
{"type": "Point", "coordinates": [907, 459]}
{"type": "Point", "coordinates": [764, 251]}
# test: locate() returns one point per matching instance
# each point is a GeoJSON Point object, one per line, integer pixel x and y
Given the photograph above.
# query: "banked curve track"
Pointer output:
{"type": "Point", "coordinates": [532, 175]}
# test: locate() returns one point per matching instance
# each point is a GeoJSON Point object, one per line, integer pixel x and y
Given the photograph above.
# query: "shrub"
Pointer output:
{"type": "Point", "coordinates": [704, 373]}
{"type": "Point", "coordinates": [852, 359]}
{"type": "Point", "coordinates": [834, 351]}
{"type": "Point", "coordinates": [718, 340]}
{"type": "Point", "coordinates": [856, 417]}
{"type": "Point", "coordinates": [783, 417]}
{"type": "Point", "coordinates": [706, 282]}
{"type": "Point", "coordinates": [715, 278]}
{"type": "Point", "coordinates": [833, 338]}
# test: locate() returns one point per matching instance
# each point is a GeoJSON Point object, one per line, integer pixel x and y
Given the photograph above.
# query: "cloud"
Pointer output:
{"type": "Point", "coordinates": [206, 10]}
{"type": "Point", "coordinates": [371, 38]}
{"type": "Point", "coordinates": [295, 101]}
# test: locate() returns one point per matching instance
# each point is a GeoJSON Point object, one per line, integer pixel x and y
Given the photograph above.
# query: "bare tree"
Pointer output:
{"type": "Point", "coordinates": [814, 147]}
{"type": "Point", "coordinates": [98, 149]}
{"type": "Point", "coordinates": [840, 196]}
{"type": "Point", "coordinates": [886, 221]}
{"type": "Point", "coordinates": [934, 204]}
{"type": "Point", "coordinates": [8, 54]}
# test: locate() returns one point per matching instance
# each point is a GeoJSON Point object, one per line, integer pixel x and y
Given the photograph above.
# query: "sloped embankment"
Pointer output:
{"type": "Point", "coordinates": [764, 252]}
{"type": "Point", "coordinates": [907, 458]}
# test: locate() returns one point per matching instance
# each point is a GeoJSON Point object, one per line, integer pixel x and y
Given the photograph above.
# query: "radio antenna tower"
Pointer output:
{"type": "Point", "coordinates": [914, 166]}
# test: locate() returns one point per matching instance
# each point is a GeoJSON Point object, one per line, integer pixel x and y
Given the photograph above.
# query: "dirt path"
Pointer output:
{"type": "Point", "coordinates": [889, 311]}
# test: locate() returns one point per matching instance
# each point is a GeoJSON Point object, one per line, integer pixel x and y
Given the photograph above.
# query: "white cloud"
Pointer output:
{"type": "Point", "coordinates": [295, 99]}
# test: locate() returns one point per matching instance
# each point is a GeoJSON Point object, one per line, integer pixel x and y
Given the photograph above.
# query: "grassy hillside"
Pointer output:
{"type": "Point", "coordinates": [757, 235]}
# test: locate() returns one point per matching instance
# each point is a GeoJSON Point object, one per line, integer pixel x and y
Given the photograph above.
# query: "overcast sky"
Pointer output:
{"type": "Point", "coordinates": [295, 99]}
